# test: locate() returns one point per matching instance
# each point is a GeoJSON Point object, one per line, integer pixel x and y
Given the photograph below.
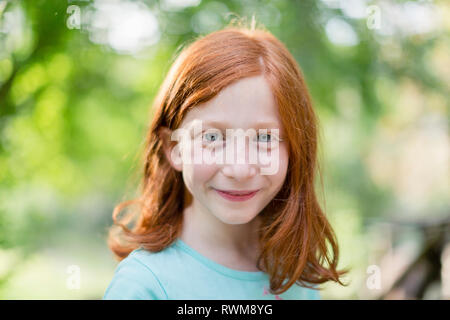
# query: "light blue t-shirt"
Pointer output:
{"type": "Point", "coordinates": [180, 272]}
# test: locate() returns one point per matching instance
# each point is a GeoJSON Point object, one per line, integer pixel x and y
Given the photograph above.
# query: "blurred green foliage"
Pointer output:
{"type": "Point", "coordinates": [75, 105]}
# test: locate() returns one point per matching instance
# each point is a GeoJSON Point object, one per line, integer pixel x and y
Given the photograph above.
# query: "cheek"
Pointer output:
{"type": "Point", "coordinates": [197, 175]}
{"type": "Point", "coordinates": [280, 175]}
{"type": "Point", "coordinates": [284, 159]}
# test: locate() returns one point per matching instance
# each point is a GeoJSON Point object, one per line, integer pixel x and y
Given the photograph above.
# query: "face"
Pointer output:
{"type": "Point", "coordinates": [245, 109]}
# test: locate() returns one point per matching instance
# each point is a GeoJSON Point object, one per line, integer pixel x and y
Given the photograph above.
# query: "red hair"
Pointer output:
{"type": "Point", "coordinates": [298, 244]}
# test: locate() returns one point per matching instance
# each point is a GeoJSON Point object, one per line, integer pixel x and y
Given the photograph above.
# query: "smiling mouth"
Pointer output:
{"type": "Point", "coordinates": [237, 195]}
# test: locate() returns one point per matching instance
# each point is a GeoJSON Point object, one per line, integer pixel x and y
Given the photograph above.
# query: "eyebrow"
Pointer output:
{"type": "Point", "coordinates": [261, 124]}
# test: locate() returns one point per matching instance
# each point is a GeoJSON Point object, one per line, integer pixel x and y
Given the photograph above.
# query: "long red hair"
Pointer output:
{"type": "Point", "coordinates": [298, 243]}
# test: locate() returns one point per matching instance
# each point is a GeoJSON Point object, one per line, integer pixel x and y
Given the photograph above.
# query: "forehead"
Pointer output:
{"type": "Point", "coordinates": [247, 103]}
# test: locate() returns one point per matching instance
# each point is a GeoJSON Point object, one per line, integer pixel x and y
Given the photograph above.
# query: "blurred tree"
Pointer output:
{"type": "Point", "coordinates": [74, 103]}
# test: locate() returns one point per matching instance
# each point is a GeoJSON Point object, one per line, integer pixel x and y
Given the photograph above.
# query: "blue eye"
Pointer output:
{"type": "Point", "coordinates": [265, 137]}
{"type": "Point", "coordinates": [212, 136]}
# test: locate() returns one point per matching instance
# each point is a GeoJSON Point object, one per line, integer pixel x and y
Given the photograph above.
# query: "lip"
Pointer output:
{"type": "Point", "coordinates": [228, 194]}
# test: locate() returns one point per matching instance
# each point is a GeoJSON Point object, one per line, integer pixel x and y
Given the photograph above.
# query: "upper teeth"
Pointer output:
{"type": "Point", "coordinates": [238, 194]}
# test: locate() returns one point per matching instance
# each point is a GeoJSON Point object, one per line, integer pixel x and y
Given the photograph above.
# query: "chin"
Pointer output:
{"type": "Point", "coordinates": [236, 218]}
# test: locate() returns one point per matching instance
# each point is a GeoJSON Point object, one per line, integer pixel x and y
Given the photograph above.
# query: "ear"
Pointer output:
{"type": "Point", "coordinates": [171, 148]}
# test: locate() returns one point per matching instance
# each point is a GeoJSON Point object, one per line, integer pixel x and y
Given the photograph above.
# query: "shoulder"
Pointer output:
{"type": "Point", "coordinates": [299, 292]}
{"type": "Point", "coordinates": [311, 293]}
{"type": "Point", "coordinates": [134, 278]}
{"type": "Point", "coordinates": [314, 294]}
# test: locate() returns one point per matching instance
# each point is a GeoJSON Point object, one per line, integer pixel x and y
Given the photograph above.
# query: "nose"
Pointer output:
{"type": "Point", "coordinates": [242, 167]}
{"type": "Point", "coordinates": [239, 172]}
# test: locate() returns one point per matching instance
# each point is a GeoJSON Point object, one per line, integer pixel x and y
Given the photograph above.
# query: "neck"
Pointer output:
{"type": "Point", "coordinates": [210, 236]}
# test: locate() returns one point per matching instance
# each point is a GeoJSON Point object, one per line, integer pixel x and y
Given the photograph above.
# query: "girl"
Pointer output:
{"type": "Point", "coordinates": [235, 229]}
